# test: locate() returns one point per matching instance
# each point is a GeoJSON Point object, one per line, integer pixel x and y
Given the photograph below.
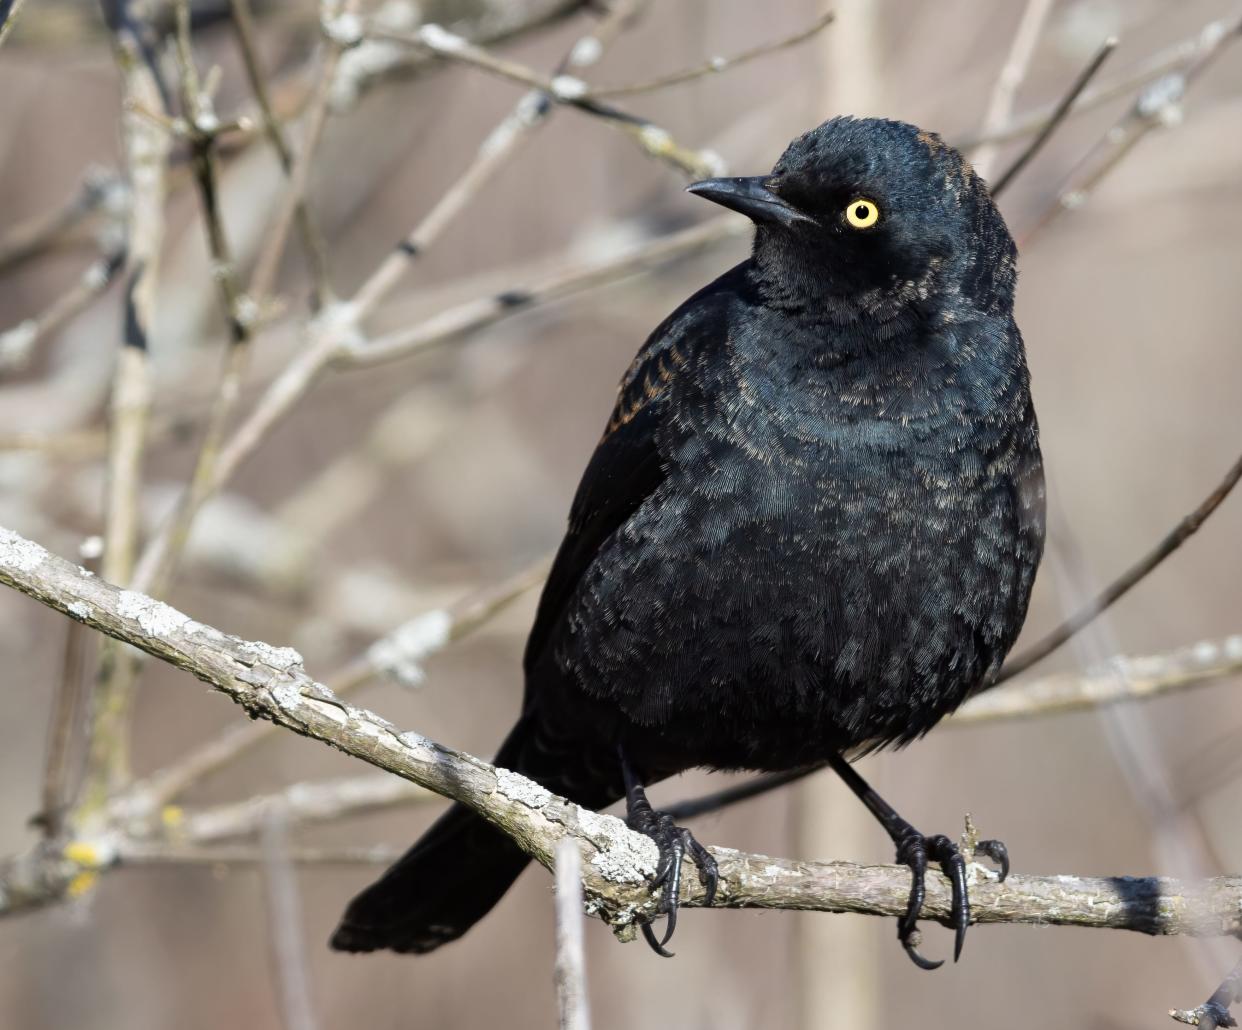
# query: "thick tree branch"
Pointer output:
{"type": "Point", "coordinates": [270, 683]}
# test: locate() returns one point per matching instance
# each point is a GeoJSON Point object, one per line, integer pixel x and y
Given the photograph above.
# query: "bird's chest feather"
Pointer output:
{"type": "Point", "coordinates": [842, 556]}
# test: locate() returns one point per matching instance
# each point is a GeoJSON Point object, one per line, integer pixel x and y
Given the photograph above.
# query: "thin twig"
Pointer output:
{"type": "Point", "coordinates": [101, 188]}
{"type": "Point", "coordinates": [1059, 114]}
{"type": "Point", "coordinates": [570, 969]}
{"type": "Point", "coordinates": [1117, 589]}
{"type": "Point", "coordinates": [268, 263]}
{"type": "Point", "coordinates": [717, 64]}
{"type": "Point", "coordinates": [654, 140]}
{"type": "Point", "coordinates": [308, 231]}
{"type": "Point", "coordinates": [494, 153]}
{"type": "Point", "coordinates": [1214, 1012]}
{"type": "Point", "coordinates": [17, 345]}
{"type": "Point", "coordinates": [9, 10]}
{"type": "Point", "coordinates": [473, 315]}
{"type": "Point", "coordinates": [1122, 679]}
{"type": "Point", "coordinates": [1158, 105]}
{"type": "Point", "coordinates": [1012, 75]}
{"type": "Point", "coordinates": [158, 564]}
{"type": "Point", "coordinates": [284, 926]}
{"type": "Point", "coordinates": [1154, 67]}
{"type": "Point", "coordinates": [405, 648]}
{"type": "Point", "coordinates": [146, 156]}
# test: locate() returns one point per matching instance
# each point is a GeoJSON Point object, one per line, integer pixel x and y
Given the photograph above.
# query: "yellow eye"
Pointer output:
{"type": "Point", "coordinates": [862, 214]}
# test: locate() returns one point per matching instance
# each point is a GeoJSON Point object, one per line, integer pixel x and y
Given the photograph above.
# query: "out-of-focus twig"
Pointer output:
{"type": "Point", "coordinates": [308, 231]}
{"type": "Point", "coordinates": [400, 653]}
{"type": "Point", "coordinates": [158, 564]}
{"type": "Point", "coordinates": [1117, 589]}
{"type": "Point", "coordinates": [564, 89]}
{"type": "Point", "coordinates": [716, 64]}
{"type": "Point", "coordinates": [1059, 115]}
{"type": "Point", "coordinates": [307, 802]}
{"type": "Point", "coordinates": [1123, 679]}
{"type": "Point", "coordinates": [1012, 75]}
{"type": "Point", "coordinates": [473, 315]}
{"type": "Point", "coordinates": [9, 9]}
{"type": "Point", "coordinates": [1158, 105]}
{"type": "Point", "coordinates": [284, 925]}
{"type": "Point", "coordinates": [493, 154]}
{"type": "Point", "coordinates": [1154, 67]}
{"type": "Point", "coordinates": [101, 188]}
{"type": "Point", "coordinates": [570, 969]}
{"type": "Point", "coordinates": [1215, 1012]}
{"type": "Point", "coordinates": [146, 156]}
{"type": "Point", "coordinates": [341, 29]}
{"type": "Point", "coordinates": [17, 345]}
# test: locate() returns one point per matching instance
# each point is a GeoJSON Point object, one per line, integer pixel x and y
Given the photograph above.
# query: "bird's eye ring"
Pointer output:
{"type": "Point", "coordinates": [862, 213]}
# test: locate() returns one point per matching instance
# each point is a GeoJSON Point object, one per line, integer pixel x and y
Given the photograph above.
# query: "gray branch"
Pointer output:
{"type": "Point", "coordinates": [270, 683]}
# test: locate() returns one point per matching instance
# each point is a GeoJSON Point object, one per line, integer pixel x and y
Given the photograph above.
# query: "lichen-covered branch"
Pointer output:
{"type": "Point", "coordinates": [270, 683]}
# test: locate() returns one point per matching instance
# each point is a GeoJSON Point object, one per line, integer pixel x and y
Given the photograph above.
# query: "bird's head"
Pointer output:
{"type": "Point", "coordinates": [871, 208]}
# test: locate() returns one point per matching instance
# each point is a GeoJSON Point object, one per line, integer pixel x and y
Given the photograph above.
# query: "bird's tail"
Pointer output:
{"type": "Point", "coordinates": [457, 871]}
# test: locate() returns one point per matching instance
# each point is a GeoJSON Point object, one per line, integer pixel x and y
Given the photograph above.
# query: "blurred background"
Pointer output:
{"type": "Point", "coordinates": [400, 489]}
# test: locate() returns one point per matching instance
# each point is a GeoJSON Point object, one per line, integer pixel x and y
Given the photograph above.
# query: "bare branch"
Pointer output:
{"type": "Point", "coordinates": [1214, 1012]}
{"type": "Point", "coordinates": [146, 157]}
{"type": "Point", "coordinates": [1117, 589]}
{"type": "Point", "coordinates": [570, 971]}
{"type": "Point", "coordinates": [312, 242]}
{"type": "Point", "coordinates": [1012, 75]}
{"type": "Point", "coordinates": [408, 645]}
{"type": "Point", "coordinates": [717, 64]}
{"type": "Point", "coordinates": [654, 140]}
{"type": "Point", "coordinates": [269, 683]}
{"type": "Point", "coordinates": [1059, 115]}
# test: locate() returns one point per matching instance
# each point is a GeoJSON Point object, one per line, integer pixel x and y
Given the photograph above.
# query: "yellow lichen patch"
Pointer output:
{"type": "Point", "coordinates": [172, 816]}
{"type": "Point", "coordinates": [83, 853]}
{"type": "Point", "coordinates": [82, 884]}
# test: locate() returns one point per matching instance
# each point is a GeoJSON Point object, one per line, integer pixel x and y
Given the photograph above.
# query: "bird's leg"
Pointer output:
{"type": "Point", "coordinates": [915, 850]}
{"type": "Point", "coordinates": [674, 842]}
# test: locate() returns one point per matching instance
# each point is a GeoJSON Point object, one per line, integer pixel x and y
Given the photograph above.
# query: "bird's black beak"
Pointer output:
{"type": "Point", "coordinates": [750, 196]}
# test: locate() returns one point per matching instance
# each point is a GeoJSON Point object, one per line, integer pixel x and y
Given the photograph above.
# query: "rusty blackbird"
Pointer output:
{"type": "Point", "coordinates": [809, 529]}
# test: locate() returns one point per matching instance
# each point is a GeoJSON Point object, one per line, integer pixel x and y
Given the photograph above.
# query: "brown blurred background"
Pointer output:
{"type": "Point", "coordinates": [1130, 309]}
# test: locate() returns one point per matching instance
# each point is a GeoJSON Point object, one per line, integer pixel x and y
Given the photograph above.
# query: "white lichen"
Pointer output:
{"type": "Point", "coordinates": [80, 610]}
{"type": "Point", "coordinates": [401, 653]}
{"type": "Point", "coordinates": [283, 659]}
{"type": "Point", "coordinates": [286, 695]}
{"type": "Point", "coordinates": [18, 553]}
{"type": "Point", "coordinates": [518, 788]}
{"type": "Point", "coordinates": [154, 618]}
{"type": "Point", "coordinates": [624, 856]}
{"type": "Point", "coordinates": [414, 740]}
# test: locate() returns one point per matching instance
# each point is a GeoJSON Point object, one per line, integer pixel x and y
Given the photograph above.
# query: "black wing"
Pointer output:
{"type": "Point", "coordinates": [627, 466]}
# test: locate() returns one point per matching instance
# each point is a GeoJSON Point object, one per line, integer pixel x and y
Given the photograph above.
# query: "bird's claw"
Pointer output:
{"type": "Point", "coordinates": [674, 843]}
{"type": "Point", "coordinates": [915, 850]}
{"type": "Point", "coordinates": [998, 853]}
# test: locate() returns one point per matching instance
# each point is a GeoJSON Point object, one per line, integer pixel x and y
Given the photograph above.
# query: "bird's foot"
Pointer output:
{"type": "Point", "coordinates": [675, 843]}
{"type": "Point", "coordinates": [915, 850]}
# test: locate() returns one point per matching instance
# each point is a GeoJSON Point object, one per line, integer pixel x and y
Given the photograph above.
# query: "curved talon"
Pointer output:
{"type": "Point", "coordinates": [709, 872]}
{"type": "Point", "coordinates": [673, 842]}
{"type": "Point", "coordinates": [919, 960]}
{"type": "Point", "coordinates": [656, 946]}
{"type": "Point", "coordinates": [998, 853]}
{"type": "Point", "coordinates": [954, 866]}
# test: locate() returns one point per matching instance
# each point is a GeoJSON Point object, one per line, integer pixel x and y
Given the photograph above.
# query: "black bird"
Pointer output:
{"type": "Point", "coordinates": [809, 530]}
